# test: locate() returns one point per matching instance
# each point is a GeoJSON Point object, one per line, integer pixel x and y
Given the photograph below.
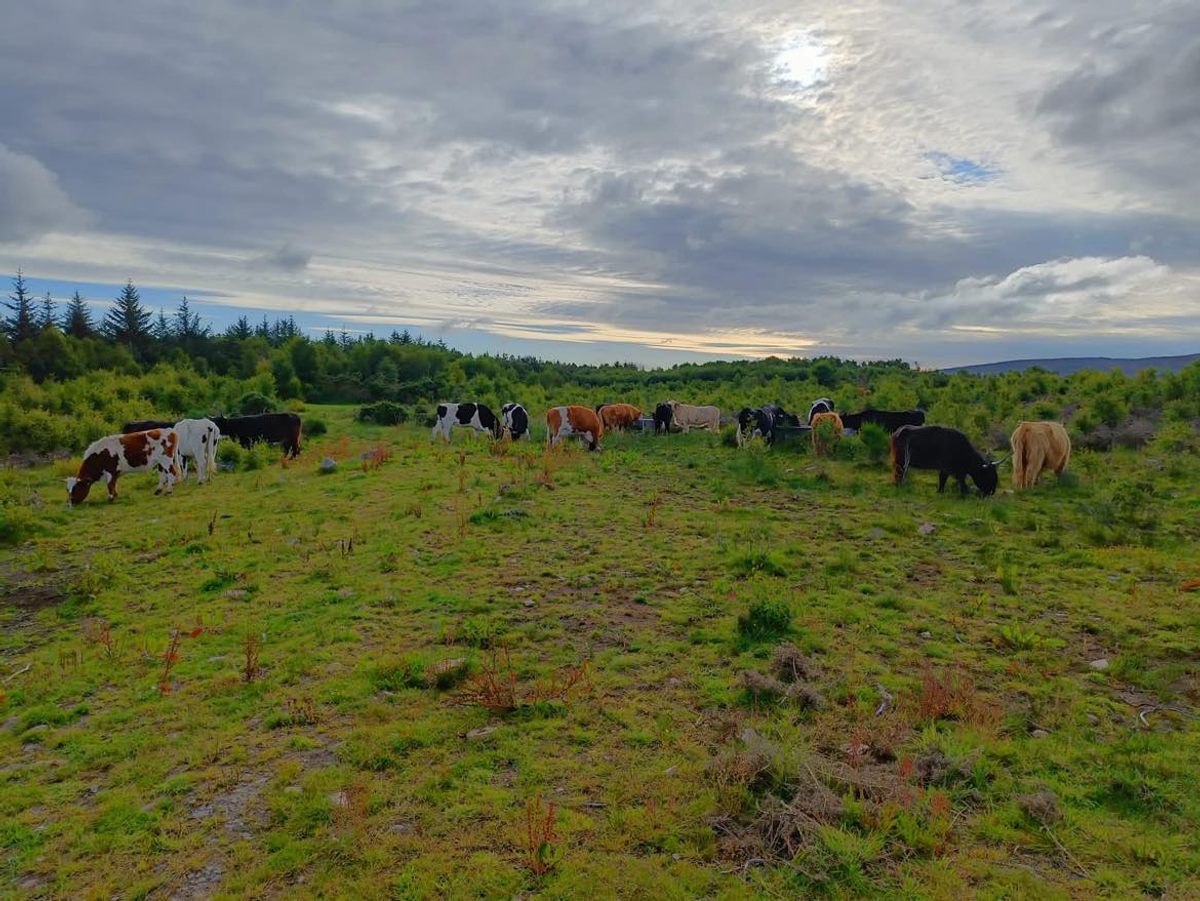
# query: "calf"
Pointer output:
{"type": "Point", "coordinates": [889, 419]}
{"type": "Point", "coordinates": [948, 451]}
{"type": "Point", "coordinates": [106, 459]}
{"type": "Point", "coordinates": [472, 416]}
{"type": "Point", "coordinates": [687, 416]}
{"type": "Point", "coordinates": [273, 428]}
{"type": "Point", "coordinates": [563, 422]}
{"type": "Point", "coordinates": [820, 405]}
{"type": "Point", "coordinates": [1036, 447]}
{"type": "Point", "coordinates": [618, 417]}
{"type": "Point", "coordinates": [663, 419]}
{"type": "Point", "coordinates": [515, 420]}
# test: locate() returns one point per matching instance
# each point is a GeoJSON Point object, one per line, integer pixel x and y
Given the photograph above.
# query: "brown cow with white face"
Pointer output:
{"type": "Point", "coordinates": [563, 422]}
{"type": "Point", "coordinates": [106, 459]}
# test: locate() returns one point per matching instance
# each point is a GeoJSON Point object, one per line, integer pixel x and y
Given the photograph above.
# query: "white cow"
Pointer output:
{"type": "Point", "coordinates": [687, 416]}
{"type": "Point", "coordinates": [198, 441]}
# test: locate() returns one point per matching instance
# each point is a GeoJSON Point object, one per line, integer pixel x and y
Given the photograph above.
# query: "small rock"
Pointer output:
{"type": "Point", "coordinates": [926, 528]}
{"type": "Point", "coordinates": [401, 828]}
{"type": "Point", "coordinates": [480, 732]}
{"type": "Point", "coordinates": [671, 771]}
{"type": "Point", "coordinates": [345, 592]}
{"type": "Point", "coordinates": [876, 533]}
{"type": "Point", "coordinates": [236, 593]}
{"type": "Point", "coordinates": [328, 464]}
{"type": "Point", "coordinates": [1039, 733]}
{"type": "Point", "coordinates": [1099, 665]}
{"type": "Point", "coordinates": [927, 635]}
{"type": "Point", "coordinates": [1093, 719]}
{"type": "Point", "coordinates": [338, 799]}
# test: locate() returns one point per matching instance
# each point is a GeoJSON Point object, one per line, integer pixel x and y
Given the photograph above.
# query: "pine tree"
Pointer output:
{"type": "Point", "coordinates": [77, 321]}
{"type": "Point", "coordinates": [20, 325]}
{"type": "Point", "coordinates": [187, 323]}
{"type": "Point", "coordinates": [128, 322]}
{"type": "Point", "coordinates": [161, 330]}
{"type": "Point", "coordinates": [47, 318]}
{"type": "Point", "coordinates": [240, 330]}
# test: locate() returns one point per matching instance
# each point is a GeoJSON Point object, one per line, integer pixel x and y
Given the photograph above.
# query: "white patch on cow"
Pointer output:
{"type": "Point", "coordinates": [71, 483]}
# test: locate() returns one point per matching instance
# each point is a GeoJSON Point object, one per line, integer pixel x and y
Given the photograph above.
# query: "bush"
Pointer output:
{"type": "Point", "coordinates": [383, 412]}
{"type": "Point", "coordinates": [253, 402]}
{"type": "Point", "coordinates": [767, 620]}
{"type": "Point", "coordinates": [876, 440]}
{"type": "Point", "coordinates": [229, 452]}
{"type": "Point", "coordinates": [314, 427]}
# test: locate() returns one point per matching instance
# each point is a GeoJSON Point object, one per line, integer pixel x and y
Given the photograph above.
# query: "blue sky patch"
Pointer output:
{"type": "Point", "coordinates": [960, 169]}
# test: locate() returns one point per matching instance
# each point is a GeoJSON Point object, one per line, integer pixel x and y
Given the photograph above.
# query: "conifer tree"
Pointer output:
{"type": "Point", "coordinates": [128, 322]}
{"type": "Point", "coordinates": [19, 325]}
{"type": "Point", "coordinates": [77, 321]}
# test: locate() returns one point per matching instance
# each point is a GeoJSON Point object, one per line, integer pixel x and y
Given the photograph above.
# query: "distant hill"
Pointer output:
{"type": "Point", "coordinates": [1068, 365]}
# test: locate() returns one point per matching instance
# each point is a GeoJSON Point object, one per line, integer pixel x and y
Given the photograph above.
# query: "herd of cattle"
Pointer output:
{"type": "Point", "coordinates": [166, 447]}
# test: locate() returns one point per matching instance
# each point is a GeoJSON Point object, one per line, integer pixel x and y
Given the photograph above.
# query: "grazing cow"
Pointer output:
{"type": "Point", "coordinates": [889, 419]}
{"type": "Point", "coordinates": [618, 417]}
{"type": "Point", "coordinates": [107, 459]}
{"type": "Point", "coordinates": [473, 416]}
{"type": "Point", "coordinates": [273, 428]}
{"type": "Point", "coordinates": [761, 422]}
{"type": "Point", "coordinates": [819, 445]}
{"type": "Point", "coordinates": [197, 441]}
{"type": "Point", "coordinates": [687, 416]}
{"type": "Point", "coordinates": [948, 451]}
{"type": "Point", "coordinates": [663, 418]}
{"type": "Point", "coordinates": [1036, 447]}
{"type": "Point", "coordinates": [563, 422]}
{"type": "Point", "coordinates": [515, 420]}
{"type": "Point", "coordinates": [820, 405]}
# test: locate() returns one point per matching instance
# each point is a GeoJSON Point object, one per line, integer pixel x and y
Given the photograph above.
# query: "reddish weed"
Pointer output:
{"type": "Point", "coordinates": [170, 658]}
{"type": "Point", "coordinates": [541, 839]}
{"type": "Point", "coordinates": [250, 648]}
{"type": "Point", "coordinates": [497, 688]}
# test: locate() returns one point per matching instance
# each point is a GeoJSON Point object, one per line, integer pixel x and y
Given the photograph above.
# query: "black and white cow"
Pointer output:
{"type": "Point", "coordinates": [820, 405]}
{"type": "Point", "coordinates": [515, 419]}
{"type": "Point", "coordinates": [474, 416]}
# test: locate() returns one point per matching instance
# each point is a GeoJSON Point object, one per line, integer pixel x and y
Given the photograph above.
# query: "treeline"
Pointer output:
{"type": "Point", "coordinates": [67, 378]}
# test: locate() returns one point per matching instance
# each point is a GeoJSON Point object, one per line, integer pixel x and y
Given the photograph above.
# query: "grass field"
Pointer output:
{"type": "Point", "coordinates": [666, 670]}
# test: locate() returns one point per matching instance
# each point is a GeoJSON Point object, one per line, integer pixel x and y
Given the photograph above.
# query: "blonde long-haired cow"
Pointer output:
{"type": "Point", "coordinates": [820, 447]}
{"type": "Point", "coordinates": [1036, 447]}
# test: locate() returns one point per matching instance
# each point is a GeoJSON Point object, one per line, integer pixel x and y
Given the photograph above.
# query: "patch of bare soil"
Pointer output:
{"type": "Point", "coordinates": [239, 806]}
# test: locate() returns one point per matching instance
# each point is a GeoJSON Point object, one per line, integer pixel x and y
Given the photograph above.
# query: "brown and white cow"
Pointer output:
{"type": "Point", "coordinates": [687, 416]}
{"type": "Point", "coordinates": [617, 417]}
{"type": "Point", "coordinates": [106, 459]}
{"type": "Point", "coordinates": [563, 422]}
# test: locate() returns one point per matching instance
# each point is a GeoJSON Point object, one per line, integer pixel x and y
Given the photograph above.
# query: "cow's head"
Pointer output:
{"type": "Point", "coordinates": [77, 490]}
{"type": "Point", "coordinates": [987, 478]}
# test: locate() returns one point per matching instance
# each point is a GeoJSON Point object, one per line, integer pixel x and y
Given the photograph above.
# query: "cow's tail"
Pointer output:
{"type": "Point", "coordinates": [901, 457]}
{"type": "Point", "coordinates": [296, 439]}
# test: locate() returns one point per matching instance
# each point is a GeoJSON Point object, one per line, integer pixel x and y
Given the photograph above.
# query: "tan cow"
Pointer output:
{"type": "Point", "coordinates": [1036, 447]}
{"type": "Point", "coordinates": [563, 422]}
{"type": "Point", "coordinates": [106, 459]}
{"type": "Point", "coordinates": [687, 416]}
{"type": "Point", "coordinates": [820, 447]}
{"type": "Point", "coordinates": [618, 417]}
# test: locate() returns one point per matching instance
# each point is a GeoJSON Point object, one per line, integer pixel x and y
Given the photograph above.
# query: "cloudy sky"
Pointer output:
{"type": "Point", "coordinates": [651, 180]}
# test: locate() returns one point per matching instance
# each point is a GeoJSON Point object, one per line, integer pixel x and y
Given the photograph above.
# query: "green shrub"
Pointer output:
{"type": "Point", "coordinates": [314, 427]}
{"type": "Point", "coordinates": [875, 440]}
{"type": "Point", "coordinates": [383, 412]}
{"type": "Point", "coordinates": [254, 402]}
{"type": "Point", "coordinates": [766, 620]}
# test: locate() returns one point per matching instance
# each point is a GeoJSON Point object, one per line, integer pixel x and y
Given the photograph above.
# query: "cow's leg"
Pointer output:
{"type": "Point", "coordinates": [942, 476]}
{"type": "Point", "coordinates": [962, 484]}
{"type": "Point", "coordinates": [112, 488]}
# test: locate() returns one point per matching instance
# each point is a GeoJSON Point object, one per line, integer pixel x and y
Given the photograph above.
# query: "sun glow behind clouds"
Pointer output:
{"type": "Point", "coordinates": [800, 61]}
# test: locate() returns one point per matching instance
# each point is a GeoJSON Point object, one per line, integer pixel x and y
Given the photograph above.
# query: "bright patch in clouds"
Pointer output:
{"type": "Point", "coordinates": [802, 61]}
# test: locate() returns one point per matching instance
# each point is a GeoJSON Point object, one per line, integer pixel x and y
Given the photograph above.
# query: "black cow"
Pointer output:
{"type": "Point", "coordinates": [762, 421]}
{"type": "Point", "coordinates": [516, 420]}
{"type": "Point", "coordinates": [663, 415]}
{"type": "Point", "coordinates": [948, 451]}
{"type": "Point", "coordinates": [273, 428]}
{"type": "Point", "coordinates": [820, 405]}
{"type": "Point", "coordinates": [475, 416]}
{"type": "Point", "coordinates": [889, 419]}
{"type": "Point", "coordinates": [145, 425]}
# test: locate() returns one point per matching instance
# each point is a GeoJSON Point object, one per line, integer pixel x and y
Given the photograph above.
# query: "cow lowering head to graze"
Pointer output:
{"type": "Point", "coordinates": [618, 417]}
{"type": "Point", "coordinates": [515, 420]}
{"type": "Point", "coordinates": [948, 451]}
{"type": "Point", "coordinates": [107, 459]}
{"type": "Point", "coordinates": [573, 420]}
{"type": "Point", "coordinates": [663, 419]}
{"type": "Point", "coordinates": [820, 405]}
{"type": "Point", "coordinates": [474, 416]}
{"type": "Point", "coordinates": [273, 428]}
{"type": "Point", "coordinates": [890, 420]}
{"type": "Point", "coordinates": [820, 445]}
{"type": "Point", "coordinates": [761, 422]}
{"type": "Point", "coordinates": [1036, 447]}
{"type": "Point", "coordinates": [688, 416]}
